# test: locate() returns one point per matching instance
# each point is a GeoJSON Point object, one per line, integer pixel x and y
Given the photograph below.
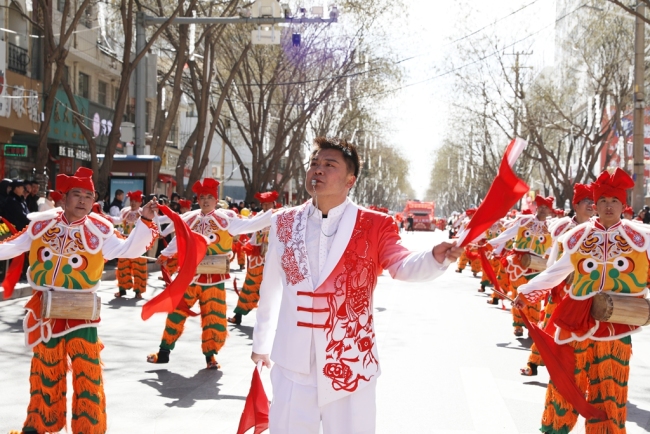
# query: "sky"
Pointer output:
{"type": "Point", "coordinates": [416, 115]}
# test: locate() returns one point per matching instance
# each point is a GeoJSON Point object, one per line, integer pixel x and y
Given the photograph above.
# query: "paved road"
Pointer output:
{"type": "Point", "coordinates": [450, 365]}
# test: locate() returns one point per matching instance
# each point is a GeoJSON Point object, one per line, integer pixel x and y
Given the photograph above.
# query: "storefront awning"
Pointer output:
{"type": "Point", "coordinates": [166, 179]}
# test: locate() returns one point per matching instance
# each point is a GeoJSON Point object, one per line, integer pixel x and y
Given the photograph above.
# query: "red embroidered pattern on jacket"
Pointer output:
{"type": "Point", "coordinates": [294, 257]}
{"type": "Point", "coordinates": [559, 230]}
{"type": "Point", "coordinates": [91, 239]}
{"type": "Point", "coordinates": [222, 221]}
{"type": "Point", "coordinates": [636, 237]}
{"type": "Point", "coordinates": [103, 227]}
{"type": "Point", "coordinates": [571, 243]}
{"type": "Point", "coordinates": [349, 326]}
{"type": "Point", "coordinates": [38, 226]}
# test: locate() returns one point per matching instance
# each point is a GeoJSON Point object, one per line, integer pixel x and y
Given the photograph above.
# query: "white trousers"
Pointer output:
{"type": "Point", "coordinates": [295, 410]}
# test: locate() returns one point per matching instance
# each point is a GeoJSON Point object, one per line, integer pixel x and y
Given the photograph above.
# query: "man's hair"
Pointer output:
{"type": "Point", "coordinates": [349, 151]}
{"type": "Point", "coordinates": [118, 192]}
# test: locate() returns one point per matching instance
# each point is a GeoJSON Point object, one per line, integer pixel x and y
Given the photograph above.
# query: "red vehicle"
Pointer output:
{"type": "Point", "coordinates": [422, 213]}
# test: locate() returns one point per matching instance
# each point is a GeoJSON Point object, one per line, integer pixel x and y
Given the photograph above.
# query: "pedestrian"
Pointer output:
{"type": "Point", "coordinates": [604, 255]}
{"type": "Point", "coordinates": [60, 267]}
{"type": "Point", "coordinates": [32, 198]}
{"type": "Point", "coordinates": [15, 209]}
{"type": "Point", "coordinates": [219, 226]}
{"type": "Point", "coordinates": [117, 204]}
{"type": "Point", "coordinates": [410, 221]}
{"type": "Point", "coordinates": [315, 315]}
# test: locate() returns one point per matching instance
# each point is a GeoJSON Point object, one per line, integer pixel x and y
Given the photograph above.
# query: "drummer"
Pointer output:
{"type": "Point", "coordinates": [583, 206]}
{"type": "Point", "coordinates": [131, 272]}
{"type": "Point", "coordinates": [531, 236]}
{"type": "Point", "coordinates": [218, 226]}
{"type": "Point", "coordinates": [72, 344]}
{"type": "Point", "coordinates": [605, 254]}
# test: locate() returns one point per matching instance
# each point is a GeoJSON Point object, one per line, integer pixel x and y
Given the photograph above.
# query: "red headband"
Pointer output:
{"type": "Point", "coordinates": [135, 196]}
{"type": "Point", "coordinates": [184, 203]}
{"type": "Point", "coordinates": [208, 186]}
{"type": "Point", "coordinates": [83, 178]}
{"type": "Point", "coordinates": [470, 212]}
{"type": "Point", "coordinates": [558, 212]}
{"type": "Point", "coordinates": [613, 184]}
{"type": "Point", "coordinates": [628, 210]}
{"type": "Point", "coordinates": [581, 192]}
{"type": "Point", "coordinates": [541, 201]}
{"type": "Point", "coordinates": [267, 197]}
{"type": "Point", "coordinates": [527, 212]}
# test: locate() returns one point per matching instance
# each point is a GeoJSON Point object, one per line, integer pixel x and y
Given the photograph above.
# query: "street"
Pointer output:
{"type": "Point", "coordinates": [450, 364]}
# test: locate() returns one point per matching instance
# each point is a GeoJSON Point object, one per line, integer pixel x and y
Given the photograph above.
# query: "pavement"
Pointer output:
{"type": "Point", "coordinates": [450, 364]}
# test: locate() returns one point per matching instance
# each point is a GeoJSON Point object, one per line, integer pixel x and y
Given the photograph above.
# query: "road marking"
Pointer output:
{"type": "Point", "coordinates": [489, 411]}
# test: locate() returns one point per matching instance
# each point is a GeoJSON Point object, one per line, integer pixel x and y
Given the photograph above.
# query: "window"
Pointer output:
{"type": "Point", "coordinates": [84, 85]}
{"type": "Point", "coordinates": [102, 93]}
{"type": "Point", "coordinates": [60, 5]}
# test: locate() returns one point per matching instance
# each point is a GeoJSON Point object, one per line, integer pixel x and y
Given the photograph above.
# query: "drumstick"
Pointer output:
{"type": "Point", "coordinates": [501, 294]}
{"type": "Point", "coordinates": [148, 258]}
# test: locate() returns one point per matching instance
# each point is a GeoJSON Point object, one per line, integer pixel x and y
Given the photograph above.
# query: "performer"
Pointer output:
{"type": "Point", "coordinates": [256, 251]}
{"type": "Point", "coordinates": [316, 305]}
{"type": "Point", "coordinates": [628, 213]}
{"type": "Point", "coordinates": [495, 262]}
{"type": "Point", "coordinates": [531, 236]}
{"type": "Point", "coordinates": [184, 205]}
{"type": "Point", "coordinates": [131, 273]}
{"type": "Point", "coordinates": [605, 254]}
{"type": "Point", "coordinates": [583, 205]}
{"type": "Point", "coordinates": [67, 250]}
{"type": "Point", "coordinates": [218, 226]}
{"type": "Point", "coordinates": [470, 254]}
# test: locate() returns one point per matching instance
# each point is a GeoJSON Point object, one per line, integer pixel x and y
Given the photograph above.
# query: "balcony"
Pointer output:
{"type": "Point", "coordinates": [18, 59]}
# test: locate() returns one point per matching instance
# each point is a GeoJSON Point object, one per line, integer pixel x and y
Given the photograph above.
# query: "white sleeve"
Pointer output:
{"type": "Point", "coordinates": [15, 247]}
{"type": "Point", "coordinates": [418, 267]}
{"type": "Point", "coordinates": [257, 223]}
{"type": "Point", "coordinates": [268, 308]}
{"type": "Point", "coordinates": [114, 211]}
{"type": "Point", "coordinates": [171, 249]}
{"type": "Point", "coordinates": [168, 230]}
{"type": "Point", "coordinates": [547, 279]}
{"type": "Point", "coordinates": [135, 245]}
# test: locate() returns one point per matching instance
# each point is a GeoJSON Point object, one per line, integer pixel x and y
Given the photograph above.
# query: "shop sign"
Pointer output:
{"type": "Point", "coordinates": [78, 153]}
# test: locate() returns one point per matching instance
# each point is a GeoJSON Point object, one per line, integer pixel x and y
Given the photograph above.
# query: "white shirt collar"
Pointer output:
{"type": "Point", "coordinates": [337, 211]}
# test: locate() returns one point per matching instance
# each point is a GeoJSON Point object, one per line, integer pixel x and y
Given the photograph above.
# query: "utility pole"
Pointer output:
{"type": "Point", "coordinates": [519, 93]}
{"type": "Point", "coordinates": [638, 197]}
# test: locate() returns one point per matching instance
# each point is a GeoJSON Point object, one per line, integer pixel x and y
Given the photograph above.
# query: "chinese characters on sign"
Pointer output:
{"type": "Point", "coordinates": [79, 154]}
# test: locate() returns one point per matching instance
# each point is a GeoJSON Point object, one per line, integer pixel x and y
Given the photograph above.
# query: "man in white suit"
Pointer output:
{"type": "Point", "coordinates": [315, 315]}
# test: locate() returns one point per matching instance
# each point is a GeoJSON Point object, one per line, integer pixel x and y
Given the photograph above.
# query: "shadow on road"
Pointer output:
{"type": "Point", "coordinates": [243, 330]}
{"type": "Point", "coordinates": [524, 344]}
{"type": "Point", "coordinates": [536, 383]}
{"type": "Point", "coordinates": [186, 391]}
{"type": "Point", "coordinates": [118, 303]}
{"type": "Point", "coordinates": [14, 326]}
{"type": "Point", "coordinates": [638, 416]}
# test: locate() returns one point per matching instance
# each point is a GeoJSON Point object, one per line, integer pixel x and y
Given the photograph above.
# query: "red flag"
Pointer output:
{"type": "Point", "coordinates": [256, 409]}
{"type": "Point", "coordinates": [505, 191]}
{"type": "Point", "coordinates": [560, 363]}
{"type": "Point", "coordinates": [15, 268]}
{"type": "Point", "coordinates": [191, 250]}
